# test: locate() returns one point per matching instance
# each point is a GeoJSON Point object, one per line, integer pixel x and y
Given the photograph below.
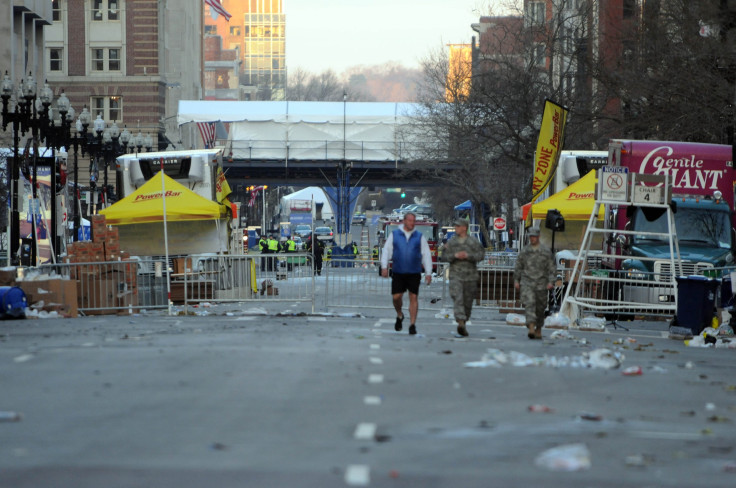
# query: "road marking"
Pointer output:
{"type": "Point", "coordinates": [23, 358]}
{"type": "Point", "coordinates": [375, 360]}
{"type": "Point", "coordinates": [357, 475]}
{"type": "Point", "coordinates": [387, 321]}
{"type": "Point", "coordinates": [365, 431]}
{"type": "Point", "coordinates": [377, 324]}
{"type": "Point", "coordinates": [245, 318]}
{"type": "Point", "coordinates": [316, 319]}
{"type": "Point", "coordinates": [372, 400]}
{"type": "Point", "coordinates": [375, 346]}
{"type": "Point", "coordinates": [375, 378]}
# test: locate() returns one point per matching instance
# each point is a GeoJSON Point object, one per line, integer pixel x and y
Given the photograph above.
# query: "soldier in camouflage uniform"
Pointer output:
{"type": "Point", "coordinates": [534, 275]}
{"type": "Point", "coordinates": [463, 253]}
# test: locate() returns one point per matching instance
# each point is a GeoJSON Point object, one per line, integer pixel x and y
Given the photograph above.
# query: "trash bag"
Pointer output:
{"type": "Point", "coordinates": [515, 319]}
{"type": "Point", "coordinates": [557, 321]}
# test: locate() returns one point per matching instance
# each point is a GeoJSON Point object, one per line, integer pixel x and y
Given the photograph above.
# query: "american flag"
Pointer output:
{"type": "Point", "coordinates": [216, 6]}
{"type": "Point", "coordinates": [254, 194]}
{"type": "Point", "coordinates": [208, 132]}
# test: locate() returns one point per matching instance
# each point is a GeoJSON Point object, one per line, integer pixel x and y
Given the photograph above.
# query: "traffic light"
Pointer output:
{"type": "Point", "coordinates": [403, 194]}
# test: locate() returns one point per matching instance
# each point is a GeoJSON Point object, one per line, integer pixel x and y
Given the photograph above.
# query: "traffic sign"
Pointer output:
{"type": "Point", "coordinates": [499, 223]}
{"type": "Point", "coordinates": [612, 183]}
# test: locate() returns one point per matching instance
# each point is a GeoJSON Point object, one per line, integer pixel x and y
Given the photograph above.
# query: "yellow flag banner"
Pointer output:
{"type": "Point", "coordinates": [222, 187]}
{"type": "Point", "coordinates": [549, 146]}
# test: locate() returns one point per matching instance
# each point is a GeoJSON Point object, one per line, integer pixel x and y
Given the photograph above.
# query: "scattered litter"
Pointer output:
{"type": "Point", "coordinates": [23, 358]}
{"type": "Point", "coordinates": [540, 409]}
{"type": "Point", "coordinates": [43, 314]}
{"type": "Point", "coordinates": [632, 371]}
{"type": "Point", "coordinates": [658, 369]}
{"type": "Point", "coordinates": [710, 407]}
{"type": "Point", "coordinates": [590, 416]}
{"type": "Point", "coordinates": [680, 333]}
{"type": "Point", "coordinates": [592, 324]}
{"type": "Point", "coordinates": [710, 339]}
{"type": "Point", "coordinates": [568, 457]}
{"type": "Point", "coordinates": [218, 446]}
{"type": "Point", "coordinates": [515, 319]}
{"type": "Point", "coordinates": [605, 358]}
{"type": "Point", "coordinates": [639, 460]}
{"type": "Point", "coordinates": [444, 314]}
{"type": "Point", "coordinates": [557, 321]}
{"type": "Point", "coordinates": [598, 358]}
{"type": "Point", "coordinates": [719, 419]}
{"type": "Point", "coordinates": [6, 416]}
{"type": "Point", "coordinates": [689, 365]}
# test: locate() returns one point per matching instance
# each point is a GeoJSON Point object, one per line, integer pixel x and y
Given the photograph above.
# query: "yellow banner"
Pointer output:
{"type": "Point", "coordinates": [549, 145]}
{"type": "Point", "coordinates": [222, 187]}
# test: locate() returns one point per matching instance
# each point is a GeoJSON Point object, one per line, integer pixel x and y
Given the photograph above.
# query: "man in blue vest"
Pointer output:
{"type": "Point", "coordinates": [410, 255]}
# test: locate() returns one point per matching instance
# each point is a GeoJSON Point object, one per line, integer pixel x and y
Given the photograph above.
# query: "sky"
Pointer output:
{"type": "Point", "coordinates": [337, 34]}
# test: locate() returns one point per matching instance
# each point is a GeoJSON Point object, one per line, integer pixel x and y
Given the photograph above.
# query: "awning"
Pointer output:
{"type": "Point", "coordinates": [146, 205]}
{"type": "Point", "coordinates": [466, 205]}
{"type": "Point", "coordinates": [574, 202]}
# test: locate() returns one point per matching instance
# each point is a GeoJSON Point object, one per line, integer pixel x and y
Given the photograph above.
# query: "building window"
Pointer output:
{"type": "Point", "coordinates": [56, 10]}
{"type": "Point", "coordinates": [210, 29]}
{"type": "Point", "coordinates": [103, 10]}
{"type": "Point", "coordinates": [234, 31]}
{"type": "Point", "coordinates": [629, 8]}
{"type": "Point", "coordinates": [536, 13]}
{"type": "Point", "coordinates": [540, 55]}
{"type": "Point", "coordinates": [111, 108]}
{"type": "Point", "coordinates": [105, 59]}
{"type": "Point", "coordinates": [56, 59]}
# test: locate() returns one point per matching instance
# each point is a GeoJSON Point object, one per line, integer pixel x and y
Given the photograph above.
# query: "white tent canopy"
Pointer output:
{"type": "Point", "coordinates": [307, 194]}
{"type": "Point", "coordinates": [308, 130]}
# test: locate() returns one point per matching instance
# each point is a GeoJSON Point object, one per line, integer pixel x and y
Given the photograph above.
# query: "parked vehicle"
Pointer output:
{"type": "Point", "coordinates": [702, 186]}
{"type": "Point", "coordinates": [324, 234]}
{"type": "Point", "coordinates": [303, 230]}
{"type": "Point", "coordinates": [359, 219]}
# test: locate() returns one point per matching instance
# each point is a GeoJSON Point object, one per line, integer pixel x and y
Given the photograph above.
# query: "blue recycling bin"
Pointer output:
{"type": "Point", "coordinates": [696, 298]}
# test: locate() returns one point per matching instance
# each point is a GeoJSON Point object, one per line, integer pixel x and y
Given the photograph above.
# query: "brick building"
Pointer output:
{"type": "Point", "coordinates": [221, 70]}
{"type": "Point", "coordinates": [129, 61]}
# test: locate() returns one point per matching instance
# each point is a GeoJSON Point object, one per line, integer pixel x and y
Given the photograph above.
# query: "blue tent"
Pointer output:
{"type": "Point", "coordinates": [466, 205]}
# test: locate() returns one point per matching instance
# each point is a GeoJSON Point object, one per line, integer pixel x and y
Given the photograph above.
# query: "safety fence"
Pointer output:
{"type": "Point", "coordinates": [148, 283]}
{"type": "Point", "coordinates": [357, 283]}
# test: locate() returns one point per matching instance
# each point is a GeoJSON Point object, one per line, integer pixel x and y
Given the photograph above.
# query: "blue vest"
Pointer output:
{"type": "Point", "coordinates": [407, 256]}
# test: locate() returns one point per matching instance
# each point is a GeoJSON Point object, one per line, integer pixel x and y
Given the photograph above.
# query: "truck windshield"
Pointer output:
{"type": "Point", "coordinates": [708, 228]}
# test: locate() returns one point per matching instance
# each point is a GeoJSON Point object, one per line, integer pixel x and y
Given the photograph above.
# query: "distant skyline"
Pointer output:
{"type": "Point", "coordinates": [338, 34]}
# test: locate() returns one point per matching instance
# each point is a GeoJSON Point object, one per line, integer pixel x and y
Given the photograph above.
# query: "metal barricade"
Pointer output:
{"type": "Point", "coordinates": [244, 278]}
{"type": "Point", "coordinates": [496, 287]}
{"type": "Point", "coordinates": [114, 286]}
{"type": "Point", "coordinates": [356, 283]}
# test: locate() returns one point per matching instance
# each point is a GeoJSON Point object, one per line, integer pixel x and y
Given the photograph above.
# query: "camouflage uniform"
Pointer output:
{"type": "Point", "coordinates": [535, 269]}
{"type": "Point", "coordinates": [463, 273]}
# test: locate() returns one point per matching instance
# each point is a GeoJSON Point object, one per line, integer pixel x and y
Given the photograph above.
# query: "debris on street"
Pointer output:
{"type": "Point", "coordinates": [598, 358]}
{"type": "Point", "coordinates": [567, 457]}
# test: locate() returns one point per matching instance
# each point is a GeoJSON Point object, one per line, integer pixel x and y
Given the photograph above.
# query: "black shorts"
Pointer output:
{"type": "Point", "coordinates": [405, 281]}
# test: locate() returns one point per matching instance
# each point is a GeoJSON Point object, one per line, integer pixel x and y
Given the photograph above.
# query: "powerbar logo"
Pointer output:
{"type": "Point", "coordinates": [155, 196]}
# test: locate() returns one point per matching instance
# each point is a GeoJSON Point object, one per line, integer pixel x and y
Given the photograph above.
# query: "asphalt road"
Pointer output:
{"type": "Point", "coordinates": [230, 399]}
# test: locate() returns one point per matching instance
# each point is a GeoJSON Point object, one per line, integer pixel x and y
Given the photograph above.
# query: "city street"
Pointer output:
{"type": "Point", "coordinates": [234, 398]}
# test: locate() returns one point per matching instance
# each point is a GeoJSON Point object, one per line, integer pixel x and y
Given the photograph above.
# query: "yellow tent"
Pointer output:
{"type": "Point", "coordinates": [145, 205]}
{"type": "Point", "coordinates": [194, 224]}
{"type": "Point", "coordinates": [575, 202]}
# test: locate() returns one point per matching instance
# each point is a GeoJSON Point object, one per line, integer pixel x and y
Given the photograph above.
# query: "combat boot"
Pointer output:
{"type": "Point", "coordinates": [538, 332]}
{"type": "Point", "coordinates": [532, 330]}
{"type": "Point", "coordinates": [461, 328]}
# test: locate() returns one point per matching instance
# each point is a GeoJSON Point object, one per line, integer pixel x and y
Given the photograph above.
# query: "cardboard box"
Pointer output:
{"type": "Point", "coordinates": [8, 275]}
{"type": "Point", "coordinates": [54, 293]}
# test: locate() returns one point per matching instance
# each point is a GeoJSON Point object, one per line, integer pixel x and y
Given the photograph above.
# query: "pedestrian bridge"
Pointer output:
{"type": "Point", "coordinates": [305, 142]}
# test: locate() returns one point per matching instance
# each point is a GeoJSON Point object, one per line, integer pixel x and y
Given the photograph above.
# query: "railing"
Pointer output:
{"type": "Point", "coordinates": [337, 150]}
{"type": "Point", "coordinates": [356, 283]}
{"type": "Point", "coordinates": [246, 278]}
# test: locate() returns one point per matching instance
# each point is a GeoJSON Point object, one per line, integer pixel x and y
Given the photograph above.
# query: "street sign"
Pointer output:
{"type": "Point", "coordinates": [612, 183]}
{"type": "Point", "coordinates": [499, 223]}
